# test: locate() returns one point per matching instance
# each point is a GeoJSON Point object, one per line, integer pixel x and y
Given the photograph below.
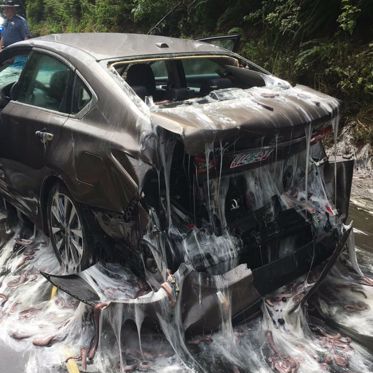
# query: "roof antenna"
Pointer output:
{"type": "Point", "coordinates": [152, 29]}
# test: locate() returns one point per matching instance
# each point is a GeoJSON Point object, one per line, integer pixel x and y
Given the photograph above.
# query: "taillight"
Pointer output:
{"type": "Point", "coordinates": [201, 164]}
{"type": "Point", "coordinates": [330, 211]}
{"type": "Point", "coordinates": [320, 134]}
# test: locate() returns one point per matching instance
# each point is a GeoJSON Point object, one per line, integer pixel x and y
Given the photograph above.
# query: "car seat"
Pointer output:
{"type": "Point", "coordinates": [216, 83]}
{"type": "Point", "coordinates": [141, 79]}
{"type": "Point", "coordinates": [57, 88]}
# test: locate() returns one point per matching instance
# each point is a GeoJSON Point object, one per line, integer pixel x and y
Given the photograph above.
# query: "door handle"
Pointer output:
{"type": "Point", "coordinates": [44, 136]}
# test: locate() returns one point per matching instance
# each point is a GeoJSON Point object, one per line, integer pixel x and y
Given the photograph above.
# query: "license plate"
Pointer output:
{"type": "Point", "coordinates": [256, 156]}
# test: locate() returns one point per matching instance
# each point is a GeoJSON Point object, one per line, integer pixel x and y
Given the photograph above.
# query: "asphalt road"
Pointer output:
{"type": "Point", "coordinates": [10, 360]}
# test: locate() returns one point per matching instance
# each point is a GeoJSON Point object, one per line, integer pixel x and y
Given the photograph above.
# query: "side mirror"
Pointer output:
{"type": "Point", "coordinates": [4, 99]}
{"type": "Point", "coordinates": [7, 93]}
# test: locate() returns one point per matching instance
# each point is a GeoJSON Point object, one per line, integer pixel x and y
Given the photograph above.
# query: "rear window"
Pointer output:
{"type": "Point", "coordinates": [172, 80]}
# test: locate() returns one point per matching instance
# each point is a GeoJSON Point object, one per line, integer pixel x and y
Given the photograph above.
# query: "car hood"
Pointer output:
{"type": "Point", "coordinates": [254, 112]}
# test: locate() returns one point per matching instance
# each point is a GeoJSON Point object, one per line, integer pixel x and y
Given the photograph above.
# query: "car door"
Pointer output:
{"type": "Point", "coordinates": [12, 63]}
{"type": "Point", "coordinates": [31, 125]}
{"type": "Point", "coordinates": [230, 42]}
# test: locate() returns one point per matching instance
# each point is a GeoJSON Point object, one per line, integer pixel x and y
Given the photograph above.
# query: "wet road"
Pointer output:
{"type": "Point", "coordinates": [363, 227]}
{"type": "Point", "coordinates": [11, 361]}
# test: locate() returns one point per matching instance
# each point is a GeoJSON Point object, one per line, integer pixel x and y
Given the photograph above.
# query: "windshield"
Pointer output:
{"type": "Point", "coordinates": [12, 69]}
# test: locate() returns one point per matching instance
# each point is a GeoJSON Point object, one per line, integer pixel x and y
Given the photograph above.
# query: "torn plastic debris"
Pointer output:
{"type": "Point", "coordinates": [343, 300]}
{"type": "Point", "coordinates": [197, 293]}
{"type": "Point", "coordinates": [337, 251]}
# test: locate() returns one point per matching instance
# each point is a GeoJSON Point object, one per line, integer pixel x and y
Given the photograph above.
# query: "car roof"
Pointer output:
{"type": "Point", "coordinates": [103, 46]}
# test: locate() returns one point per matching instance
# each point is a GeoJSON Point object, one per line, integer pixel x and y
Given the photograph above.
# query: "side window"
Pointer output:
{"type": "Point", "coordinates": [201, 68]}
{"type": "Point", "coordinates": [45, 83]}
{"type": "Point", "coordinates": [199, 72]}
{"type": "Point", "coordinates": [81, 96]}
{"type": "Point", "coordinates": [11, 69]}
{"type": "Point", "coordinates": [160, 71]}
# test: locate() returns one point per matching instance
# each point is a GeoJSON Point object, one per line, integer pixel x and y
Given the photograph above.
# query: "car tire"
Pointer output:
{"type": "Point", "coordinates": [68, 230]}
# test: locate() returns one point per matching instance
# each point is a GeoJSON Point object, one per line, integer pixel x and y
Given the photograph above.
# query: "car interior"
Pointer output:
{"type": "Point", "coordinates": [179, 79]}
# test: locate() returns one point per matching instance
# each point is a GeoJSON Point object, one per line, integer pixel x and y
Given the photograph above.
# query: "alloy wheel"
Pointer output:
{"type": "Point", "coordinates": [66, 230]}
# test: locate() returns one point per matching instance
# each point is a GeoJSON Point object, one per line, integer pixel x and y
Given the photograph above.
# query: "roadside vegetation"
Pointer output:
{"type": "Point", "coordinates": [324, 44]}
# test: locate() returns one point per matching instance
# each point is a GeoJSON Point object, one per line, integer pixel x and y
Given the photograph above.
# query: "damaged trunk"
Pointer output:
{"type": "Point", "coordinates": [236, 211]}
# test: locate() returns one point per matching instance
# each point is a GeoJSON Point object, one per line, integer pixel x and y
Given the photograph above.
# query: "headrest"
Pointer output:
{"type": "Point", "coordinates": [141, 75]}
{"type": "Point", "coordinates": [141, 91]}
{"type": "Point", "coordinates": [179, 94]}
{"type": "Point", "coordinates": [57, 84]}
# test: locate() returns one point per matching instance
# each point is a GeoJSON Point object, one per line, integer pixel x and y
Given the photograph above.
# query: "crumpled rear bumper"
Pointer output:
{"type": "Point", "coordinates": [202, 301]}
{"type": "Point", "coordinates": [200, 298]}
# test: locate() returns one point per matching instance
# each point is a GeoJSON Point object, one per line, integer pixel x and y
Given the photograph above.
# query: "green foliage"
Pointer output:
{"type": "Point", "coordinates": [282, 15]}
{"type": "Point", "coordinates": [348, 18]}
{"type": "Point", "coordinates": [148, 10]}
{"type": "Point", "coordinates": [48, 16]}
{"type": "Point", "coordinates": [339, 69]}
{"type": "Point", "coordinates": [363, 128]}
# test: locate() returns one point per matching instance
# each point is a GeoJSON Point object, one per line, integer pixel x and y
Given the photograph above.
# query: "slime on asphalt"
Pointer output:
{"type": "Point", "coordinates": [217, 192]}
{"type": "Point", "coordinates": [282, 338]}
